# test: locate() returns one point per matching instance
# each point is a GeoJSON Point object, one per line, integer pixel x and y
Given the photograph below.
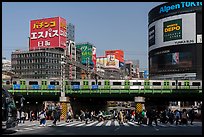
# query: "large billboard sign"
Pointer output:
{"type": "Point", "coordinates": [112, 62]}
{"type": "Point", "coordinates": [86, 53]}
{"type": "Point", "coordinates": [173, 30]}
{"type": "Point", "coordinates": [48, 33]}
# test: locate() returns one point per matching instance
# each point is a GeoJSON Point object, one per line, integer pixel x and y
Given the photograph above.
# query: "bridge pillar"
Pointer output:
{"type": "Point", "coordinates": [139, 104]}
{"type": "Point", "coordinates": [64, 102]}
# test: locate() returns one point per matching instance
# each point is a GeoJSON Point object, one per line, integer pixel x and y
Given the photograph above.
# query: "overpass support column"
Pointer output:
{"type": "Point", "coordinates": [139, 104]}
{"type": "Point", "coordinates": [64, 102]}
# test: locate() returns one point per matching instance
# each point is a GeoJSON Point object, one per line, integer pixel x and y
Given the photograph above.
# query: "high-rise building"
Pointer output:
{"type": "Point", "coordinates": [70, 32]}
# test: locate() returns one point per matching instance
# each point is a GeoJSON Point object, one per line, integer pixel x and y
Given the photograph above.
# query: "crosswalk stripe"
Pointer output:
{"type": "Point", "coordinates": [108, 123]}
{"type": "Point", "coordinates": [99, 124]}
{"type": "Point", "coordinates": [92, 123]}
{"type": "Point", "coordinates": [71, 124]}
{"type": "Point", "coordinates": [125, 124]}
{"type": "Point", "coordinates": [116, 123]}
{"type": "Point", "coordinates": [132, 123]}
{"type": "Point", "coordinates": [81, 124]}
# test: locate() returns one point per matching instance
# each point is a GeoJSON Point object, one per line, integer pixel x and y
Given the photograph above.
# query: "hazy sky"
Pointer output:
{"type": "Point", "coordinates": [107, 25]}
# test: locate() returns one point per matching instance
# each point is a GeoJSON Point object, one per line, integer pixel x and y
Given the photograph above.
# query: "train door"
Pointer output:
{"type": "Point", "coordinates": [106, 84]}
{"type": "Point", "coordinates": [22, 84]}
{"type": "Point", "coordinates": [146, 84]}
{"type": "Point", "coordinates": [85, 84]}
{"type": "Point", "coordinates": [166, 84]}
{"type": "Point", "coordinates": [44, 84]}
{"type": "Point", "coordinates": [127, 84]}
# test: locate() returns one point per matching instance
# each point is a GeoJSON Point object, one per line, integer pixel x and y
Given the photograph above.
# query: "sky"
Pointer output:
{"type": "Point", "coordinates": [107, 25]}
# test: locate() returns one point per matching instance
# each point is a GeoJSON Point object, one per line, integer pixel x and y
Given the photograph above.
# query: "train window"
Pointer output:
{"type": "Point", "coordinates": [7, 82]}
{"type": "Point", "coordinates": [75, 83]}
{"type": "Point", "coordinates": [14, 82]}
{"type": "Point", "coordinates": [66, 82]}
{"type": "Point", "coordinates": [137, 83]}
{"type": "Point", "coordinates": [173, 83]}
{"type": "Point", "coordinates": [54, 82]}
{"type": "Point", "coordinates": [116, 83]}
{"type": "Point", "coordinates": [33, 82]}
{"type": "Point", "coordinates": [99, 83]}
{"type": "Point", "coordinates": [93, 83]}
{"type": "Point", "coordinates": [157, 83]}
{"type": "Point", "coordinates": [196, 84]}
{"type": "Point", "coordinates": [179, 84]}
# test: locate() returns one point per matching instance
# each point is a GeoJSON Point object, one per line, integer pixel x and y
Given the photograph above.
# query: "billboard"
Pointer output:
{"type": "Point", "coordinates": [48, 33]}
{"type": "Point", "coordinates": [86, 53]}
{"type": "Point", "coordinates": [119, 54]}
{"type": "Point", "coordinates": [94, 57]}
{"type": "Point", "coordinates": [173, 30]}
{"type": "Point", "coordinates": [112, 62]}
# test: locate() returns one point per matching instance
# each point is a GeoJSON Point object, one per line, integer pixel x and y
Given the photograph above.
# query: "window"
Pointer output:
{"type": "Point", "coordinates": [196, 84]}
{"type": "Point", "coordinates": [116, 83]}
{"type": "Point", "coordinates": [173, 83]}
{"type": "Point", "coordinates": [156, 83]}
{"type": "Point", "coordinates": [179, 83]}
{"type": "Point", "coordinates": [137, 83]}
{"type": "Point", "coordinates": [93, 83]}
{"type": "Point", "coordinates": [54, 82]}
{"type": "Point", "coordinates": [33, 82]}
{"type": "Point", "coordinates": [99, 83]}
{"type": "Point", "coordinates": [14, 82]}
{"type": "Point", "coordinates": [75, 83]}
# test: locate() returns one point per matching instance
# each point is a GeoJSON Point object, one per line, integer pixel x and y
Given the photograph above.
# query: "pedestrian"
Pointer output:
{"type": "Point", "coordinates": [18, 116]}
{"type": "Point", "coordinates": [42, 116]}
{"type": "Point", "coordinates": [192, 115]}
{"type": "Point", "coordinates": [184, 117]}
{"type": "Point", "coordinates": [86, 116]}
{"type": "Point", "coordinates": [82, 115]}
{"type": "Point", "coordinates": [23, 116]}
{"type": "Point", "coordinates": [177, 115]}
{"type": "Point", "coordinates": [69, 117]}
{"type": "Point", "coordinates": [55, 116]}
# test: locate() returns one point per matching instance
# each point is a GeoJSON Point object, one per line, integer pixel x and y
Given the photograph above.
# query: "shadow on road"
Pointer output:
{"type": "Point", "coordinates": [8, 131]}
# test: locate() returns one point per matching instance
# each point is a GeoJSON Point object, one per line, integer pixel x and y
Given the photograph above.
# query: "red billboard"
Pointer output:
{"type": "Point", "coordinates": [119, 54]}
{"type": "Point", "coordinates": [48, 33]}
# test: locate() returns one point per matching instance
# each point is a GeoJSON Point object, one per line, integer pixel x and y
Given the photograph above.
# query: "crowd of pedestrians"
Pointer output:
{"type": "Point", "coordinates": [147, 117]}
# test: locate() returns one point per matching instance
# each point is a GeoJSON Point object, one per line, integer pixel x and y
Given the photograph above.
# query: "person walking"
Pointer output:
{"type": "Point", "coordinates": [42, 117]}
{"type": "Point", "coordinates": [177, 115]}
{"type": "Point", "coordinates": [23, 116]}
{"type": "Point", "coordinates": [192, 115]}
{"type": "Point", "coordinates": [55, 116]}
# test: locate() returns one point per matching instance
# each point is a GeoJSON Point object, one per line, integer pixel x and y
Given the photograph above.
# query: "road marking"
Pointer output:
{"type": "Point", "coordinates": [116, 123]}
{"type": "Point", "coordinates": [81, 124]}
{"type": "Point", "coordinates": [125, 124]}
{"type": "Point", "coordinates": [99, 124]}
{"type": "Point", "coordinates": [92, 123]}
{"type": "Point", "coordinates": [132, 123]}
{"type": "Point", "coordinates": [108, 123]}
{"type": "Point", "coordinates": [71, 124]}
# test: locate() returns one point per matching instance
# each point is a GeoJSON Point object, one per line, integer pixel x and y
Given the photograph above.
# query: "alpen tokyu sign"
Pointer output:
{"type": "Point", "coordinates": [179, 6]}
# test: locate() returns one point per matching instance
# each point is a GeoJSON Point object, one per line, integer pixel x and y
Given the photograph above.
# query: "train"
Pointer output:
{"type": "Point", "coordinates": [97, 84]}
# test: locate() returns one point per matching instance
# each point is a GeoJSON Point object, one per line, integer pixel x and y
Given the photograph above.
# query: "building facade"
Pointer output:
{"type": "Point", "coordinates": [175, 41]}
{"type": "Point", "coordinates": [38, 64]}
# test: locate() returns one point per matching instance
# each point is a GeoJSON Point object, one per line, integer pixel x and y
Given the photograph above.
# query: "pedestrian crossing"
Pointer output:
{"type": "Point", "coordinates": [106, 123]}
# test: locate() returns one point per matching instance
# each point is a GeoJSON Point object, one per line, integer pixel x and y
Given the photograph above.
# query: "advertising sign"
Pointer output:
{"type": "Point", "coordinates": [86, 53]}
{"type": "Point", "coordinates": [112, 61]}
{"type": "Point", "coordinates": [48, 33]}
{"type": "Point", "coordinates": [94, 57]}
{"type": "Point", "coordinates": [174, 30]}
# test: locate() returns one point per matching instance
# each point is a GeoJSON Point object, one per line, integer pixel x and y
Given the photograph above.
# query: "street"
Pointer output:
{"type": "Point", "coordinates": [108, 127]}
